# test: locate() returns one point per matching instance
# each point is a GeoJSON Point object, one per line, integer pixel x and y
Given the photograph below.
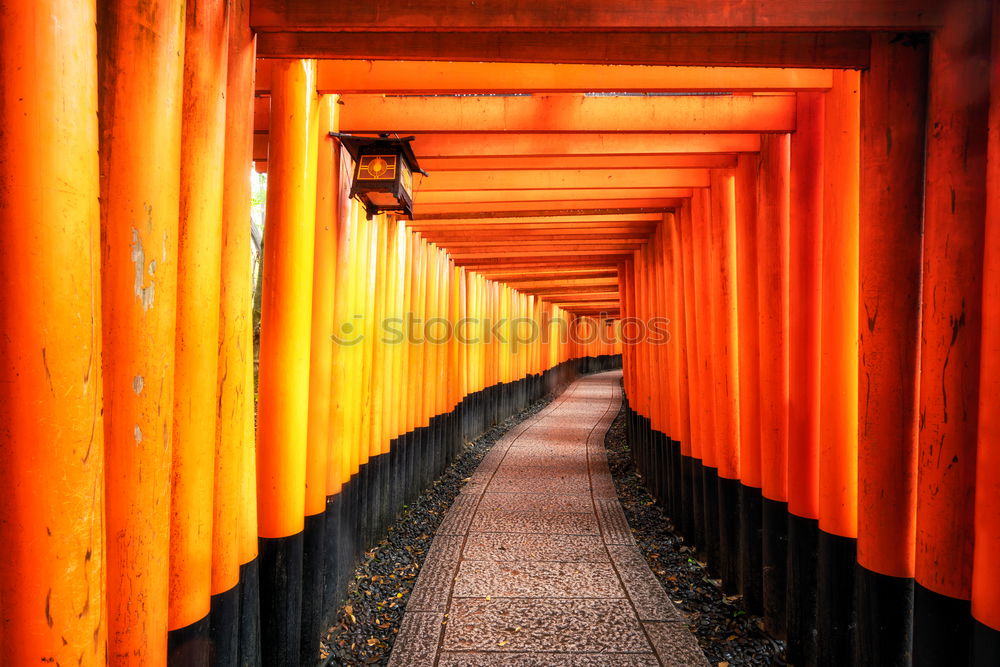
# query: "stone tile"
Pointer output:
{"type": "Point", "coordinates": [650, 600]}
{"type": "Point", "coordinates": [535, 502]}
{"type": "Point", "coordinates": [559, 548]}
{"type": "Point", "coordinates": [563, 523]}
{"type": "Point", "coordinates": [603, 488]}
{"type": "Point", "coordinates": [433, 586]}
{"type": "Point", "coordinates": [531, 579]}
{"type": "Point", "coordinates": [507, 482]}
{"type": "Point", "coordinates": [675, 645]}
{"type": "Point", "coordinates": [594, 626]}
{"type": "Point", "coordinates": [459, 516]}
{"type": "Point", "coordinates": [614, 525]}
{"type": "Point", "coordinates": [417, 642]}
{"type": "Point", "coordinates": [503, 659]}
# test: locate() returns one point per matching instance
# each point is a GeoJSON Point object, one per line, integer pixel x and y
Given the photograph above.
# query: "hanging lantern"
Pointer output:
{"type": "Point", "coordinates": [383, 172]}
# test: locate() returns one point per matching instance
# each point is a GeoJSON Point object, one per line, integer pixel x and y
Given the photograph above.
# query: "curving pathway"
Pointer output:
{"type": "Point", "coordinates": [535, 564]}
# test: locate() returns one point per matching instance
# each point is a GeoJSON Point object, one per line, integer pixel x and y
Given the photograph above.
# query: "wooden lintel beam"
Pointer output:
{"type": "Point", "coordinates": [551, 145]}
{"type": "Point", "coordinates": [556, 179]}
{"type": "Point", "coordinates": [410, 77]}
{"type": "Point", "coordinates": [566, 196]}
{"type": "Point", "coordinates": [540, 215]}
{"type": "Point", "coordinates": [462, 209]}
{"type": "Point", "coordinates": [773, 48]}
{"type": "Point", "coordinates": [568, 113]}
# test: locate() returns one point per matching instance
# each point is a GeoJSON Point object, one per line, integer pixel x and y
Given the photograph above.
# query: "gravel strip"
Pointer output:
{"type": "Point", "coordinates": [727, 633]}
{"type": "Point", "coordinates": [369, 620]}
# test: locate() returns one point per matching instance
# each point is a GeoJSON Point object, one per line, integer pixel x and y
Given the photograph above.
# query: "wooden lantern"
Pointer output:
{"type": "Point", "coordinates": [383, 172]}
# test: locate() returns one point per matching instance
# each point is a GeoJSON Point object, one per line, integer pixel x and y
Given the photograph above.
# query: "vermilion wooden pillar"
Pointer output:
{"type": "Point", "coordinates": [199, 250]}
{"type": "Point", "coordinates": [320, 369]}
{"type": "Point", "coordinates": [140, 68]}
{"type": "Point", "coordinates": [725, 347]}
{"type": "Point", "coordinates": [343, 406]}
{"type": "Point", "coordinates": [838, 410]}
{"type": "Point", "coordinates": [51, 430]}
{"type": "Point", "coordinates": [284, 357]}
{"type": "Point", "coordinates": [772, 306]}
{"type": "Point", "coordinates": [805, 306]}
{"type": "Point", "coordinates": [678, 338]}
{"type": "Point", "coordinates": [986, 572]}
{"type": "Point", "coordinates": [751, 538]}
{"type": "Point", "coordinates": [891, 229]}
{"type": "Point", "coordinates": [235, 611]}
{"type": "Point", "coordinates": [701, 216]}
{"type": "Point", "coordinates": [691, 331]}
{"type": "Point", "coordinates": [954, 214]}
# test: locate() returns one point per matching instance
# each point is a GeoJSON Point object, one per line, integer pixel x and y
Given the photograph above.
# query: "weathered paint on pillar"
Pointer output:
{"type": "Point", "coordinates": [199, 250]}
{"type": "Point", "coordinates": [954, 214]}
{"type": "Point", "coordinates": [51, 431]}
{"type": "Point", "coordinates": [893, 120]}
{"type": "Point", "coordinates": [234, 520]}
{"type": "Point", "coordinates": [985, 572]}
{"type": "Point", "coordinates": [140, 122]}
{"type": "Point", "coordinates": [283, 403]}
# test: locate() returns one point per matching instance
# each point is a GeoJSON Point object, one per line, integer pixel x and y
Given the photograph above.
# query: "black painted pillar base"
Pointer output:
{"type": "Point", "coordinates": [710, 493]}
{"type": "Point", "coordinates": [942, 629]}
{"type": "Point", "coordinates": [774, 556]}
{"type": "Point", "coordinates": [884, 619]}
{"type": "Point", "coordinates": [281, 599]}
{"type": "Point", "coordinates": [803, 545]}
{"type": "Point", "coordinates": [698, 504]}
{"type": "Point", "coordinates": [751, 550]}
{"type": "Point", "coordinates": [333, 557]}
{"type": "Point", "coordinates": [985, 645]}
{"type": "Point", "coordinates": [313, 571]}
{"type": "Point", "coordinates": [729, 534]}
{"type": "Point", "coordinates": [249, 641]}
{"type": "Point", "coordinates": [676, 482]}
{"type": "Point", "coordinates": [686, 517]}
{"type": "Point", "coordinates": [836, 621]}
{"type": "Point", "coordinates": [190, 645]}
{"type": "Point", "coordinates": [224, 628]}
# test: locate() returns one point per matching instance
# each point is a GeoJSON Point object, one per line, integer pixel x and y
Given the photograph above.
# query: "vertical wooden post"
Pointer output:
{"type": "Point", "coordinates": [51, 432]}
{"type": "Point", "coordinates": [677, 329]}
{"type": "Point", "coordinates": [725, 346]}
{"type": "Point", "coordinates": [140, 121]}
{"type": "Point", "coordinates": [342, 394]}
{"type": "Point", "coordinates": [701, 228]}
{"type": "Point", "coordinates": [985, 577]}
{"type": "Point", "coordinates": [893, 121]}
{"type": "Point", "coordinates": [772, 304]}
{"type": "Point", "coordinates": [837, 546]}
{"type": "Point", "coordinates": [750, 529]}
{"type": "Point", "coordinates": [691, 331]}
{"type": "Point", "coordinates": [320, 369]}
{"type": "Point", "coordinates": [985, 572]}
{"type": "Point", "coordinates": [234, 614]}
{"type": "Point", "coordinates": [199, 251]}
{"type": "Point", "coordinates": [954, 215]}
{"type": "Point", "coordinates": [805, 307]}
{"type": "Point", "coordinates": [283, 403]}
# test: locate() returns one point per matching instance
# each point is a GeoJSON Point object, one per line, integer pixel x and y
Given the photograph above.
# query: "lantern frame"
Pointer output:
{"type": "Point", "coordinates": [382, 178]}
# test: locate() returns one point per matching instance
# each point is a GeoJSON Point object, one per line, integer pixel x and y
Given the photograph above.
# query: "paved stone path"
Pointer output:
{"type": "Point", "coordinates": [535, 564]}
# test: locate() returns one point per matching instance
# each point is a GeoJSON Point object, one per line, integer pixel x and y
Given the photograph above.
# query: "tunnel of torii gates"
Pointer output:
{"type": "Point", "coordinates": [809, 201]}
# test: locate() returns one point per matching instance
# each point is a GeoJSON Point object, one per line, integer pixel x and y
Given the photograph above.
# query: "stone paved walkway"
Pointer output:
{"type": "Point", "coordinates": [535, 564]}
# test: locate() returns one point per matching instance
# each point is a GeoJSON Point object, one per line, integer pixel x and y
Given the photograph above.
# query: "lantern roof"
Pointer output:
{"type": "Point", "coordinates": [354, 143]}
